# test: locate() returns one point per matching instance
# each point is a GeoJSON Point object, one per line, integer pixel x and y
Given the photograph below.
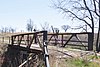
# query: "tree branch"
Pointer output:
{"type": "Point", "coordinates": [89, 13]}
{"type": "Point", "coordinates": [68, 11]}
{"type": "Point", "coordinates": [95, 8]}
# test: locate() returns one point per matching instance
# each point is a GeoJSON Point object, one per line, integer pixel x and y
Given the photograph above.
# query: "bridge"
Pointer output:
{"type": "Point", "coordinates": [27, 50]}
{"type": "Point", "coordinates": [30, 49]}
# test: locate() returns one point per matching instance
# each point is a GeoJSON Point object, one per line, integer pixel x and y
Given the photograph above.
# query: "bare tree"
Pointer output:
{"type": "Point", "coordinates": [55, 30]}
{"type": "Point", "coordinates": [84, 10]}
{"type": "Point", "coordinates": [11, 30]}
{"type": "Point", "coordinates": [65, 27]}
{"type": "Point", "coordinates": [83, 27]}
{"type": "Point", "coordinates": [45, 26]}
{"type": "Point", "coordinates": [7, 29]}
{"type": "Point", "coordinates": [4, 29]}
{"type": "Point", "coordinates": [29, 25]}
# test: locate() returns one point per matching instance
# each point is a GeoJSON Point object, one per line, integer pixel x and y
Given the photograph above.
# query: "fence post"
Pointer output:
{"type": "Point", "coordinates": [90, 42]}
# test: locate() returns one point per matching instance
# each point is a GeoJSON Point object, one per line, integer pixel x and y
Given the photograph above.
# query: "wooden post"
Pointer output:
{"type": "Point", "coordinates": [90, 42]}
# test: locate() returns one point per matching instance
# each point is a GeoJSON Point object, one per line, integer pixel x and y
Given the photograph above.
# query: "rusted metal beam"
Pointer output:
{"type": "Point", "coordinates": [12, 41]}
{"type": "Point", "coordinates": [62, 39]}
{"type": "Point", "coordinates": [20, 39]}
{"type": "Point", "coordinates": [90, 42]}
{"type": "Point", "coordinates": [21, 65]}
{"type": "Point", "coordinates": [25, 49]}
{"type": "Point", "coordinates": [68, 33]}
{"type": "Point", "coordinates": [68, 40]}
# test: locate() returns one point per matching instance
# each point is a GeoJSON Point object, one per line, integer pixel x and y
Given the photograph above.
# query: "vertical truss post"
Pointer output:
{"type": "Point", "coordinates": [35, 38]}
{"type": "Point", "coordinates": [62, 39]}
{"type": "Point", "coordinates": [90, 42]}
{"type": "Point", "coordinates": [12, 42]}
{"type": "Point", "coordinates": [46, 55]}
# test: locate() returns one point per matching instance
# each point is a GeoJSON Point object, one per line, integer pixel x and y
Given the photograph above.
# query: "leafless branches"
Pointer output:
{"type": "Point", "coordinates": [45, 26]}
{"type": "Point", "coordinates": [83, 10]}
{"type": "Point", "coordinates": [86, 11]}
{"type": "Point", "coordinates": [65, 27]}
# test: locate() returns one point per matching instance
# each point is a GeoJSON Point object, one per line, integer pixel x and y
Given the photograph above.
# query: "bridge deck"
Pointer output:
{"type": "Point", "coordinates": [33, 49]}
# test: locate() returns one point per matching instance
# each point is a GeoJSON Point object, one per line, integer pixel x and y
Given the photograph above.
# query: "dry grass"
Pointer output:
{"type": "Point", "coordinates": [72, 58]}
{"type": "Point", "coordinates": [3, 49]}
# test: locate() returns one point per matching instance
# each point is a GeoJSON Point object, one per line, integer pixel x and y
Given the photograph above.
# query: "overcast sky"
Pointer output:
{"type": "Point", "coordinates": [16, 13]}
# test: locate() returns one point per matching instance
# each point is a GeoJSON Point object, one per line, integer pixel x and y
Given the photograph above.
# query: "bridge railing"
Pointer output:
{"type": "Point", "coordinates": [28, 38]}
{"type": "Point", "coordinates": [83, 39]}
{"type": "Point", "coordinates": [33, 38]}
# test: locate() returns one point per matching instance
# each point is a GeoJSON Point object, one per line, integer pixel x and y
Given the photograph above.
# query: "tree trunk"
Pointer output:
{"type": "Point", "coordinates": [98, 34]}
{"type": "Point", "coordinates": [92, 36]}
{"type": "Point", "coordinates": [97, 41]}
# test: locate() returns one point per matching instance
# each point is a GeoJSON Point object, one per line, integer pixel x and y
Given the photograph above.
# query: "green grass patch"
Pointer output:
{"type": "Point", "coordinates": [81, 63]}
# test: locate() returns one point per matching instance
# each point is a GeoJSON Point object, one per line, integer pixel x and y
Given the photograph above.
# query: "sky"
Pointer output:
{"type": "Point", "coordinates": [16, 14]}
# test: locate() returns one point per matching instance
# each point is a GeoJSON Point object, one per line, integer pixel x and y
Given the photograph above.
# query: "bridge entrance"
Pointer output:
{"type": "Point", "coordinates": [27, 50]}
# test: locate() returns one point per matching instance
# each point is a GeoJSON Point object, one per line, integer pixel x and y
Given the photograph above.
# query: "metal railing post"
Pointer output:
{"type": "Point", "coordinates": [90, 42]}
{"type": "Point", "coordinates": [12, 42]}
{"type": "Point", "coordinates": [46, 55]}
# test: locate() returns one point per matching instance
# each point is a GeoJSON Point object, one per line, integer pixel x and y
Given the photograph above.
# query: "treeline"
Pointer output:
{"type": "Point", "coordinates": [31, 27]}
{"type": "Point", "coordinates": [7, 30]}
